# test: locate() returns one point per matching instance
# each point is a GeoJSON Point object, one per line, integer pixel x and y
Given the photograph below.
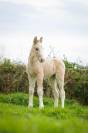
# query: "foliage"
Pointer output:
{"type": "Point", "coordinates": [13, 78]}
{"type": "Point", "coordinates": [76, 82]}
{"type": "Point", "coordinates": [15, 118]}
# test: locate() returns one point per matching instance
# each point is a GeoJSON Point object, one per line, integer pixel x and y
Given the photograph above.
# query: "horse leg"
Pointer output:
{"type": "Point", "coordinates": [31, 92]}
{"type": "Point", "coordinates": [60, 83]}
{"type": "Point", "coordinates": [55, 92]}
{"type": "Point", "coordinates": [40, 90]}
{"type": "Point", "coordinates": [62, 94]}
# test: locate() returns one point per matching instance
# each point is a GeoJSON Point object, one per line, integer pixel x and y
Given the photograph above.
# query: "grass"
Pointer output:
{"type": "Point", "coordinates": [15, 117]}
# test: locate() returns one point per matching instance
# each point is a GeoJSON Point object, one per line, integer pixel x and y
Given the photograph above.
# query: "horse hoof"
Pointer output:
{"type": "Point", "coordinates": [55, 107]}
{"type": "Point", "coordinates": [30, 106]}
{"type": "Point", "coordinates": [41, 107]}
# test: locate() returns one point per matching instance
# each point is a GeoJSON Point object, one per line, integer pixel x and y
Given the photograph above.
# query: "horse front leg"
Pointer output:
{"type": "Point", "coordinates": [31, 92]}
{"type": "Point", "coordinates": [40, 90]}
{"type": "Point", "coordinates": [55, 92]}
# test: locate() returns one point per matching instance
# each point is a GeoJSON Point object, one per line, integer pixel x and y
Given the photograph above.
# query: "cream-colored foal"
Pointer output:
{"type": "Point", "coordinates": [39, 69]}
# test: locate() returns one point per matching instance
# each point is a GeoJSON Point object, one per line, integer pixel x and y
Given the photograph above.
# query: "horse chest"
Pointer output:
{"type": "Point", "coordinates": [35, 69]}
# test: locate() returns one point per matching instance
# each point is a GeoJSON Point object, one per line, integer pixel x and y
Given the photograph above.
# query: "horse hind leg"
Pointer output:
{"type": "Point", "coordinates": [60, 83]}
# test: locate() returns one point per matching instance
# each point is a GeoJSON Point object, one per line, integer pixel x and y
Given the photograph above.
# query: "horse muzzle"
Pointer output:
{"type": "Point", "coordinates": [42, 60]}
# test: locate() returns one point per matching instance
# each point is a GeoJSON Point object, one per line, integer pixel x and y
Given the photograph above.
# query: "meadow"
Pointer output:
{"type": "Point", "coordinates": [15, 117]}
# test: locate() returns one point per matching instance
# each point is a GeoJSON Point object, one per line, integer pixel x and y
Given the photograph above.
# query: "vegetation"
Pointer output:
{"type": "Point", "coordinates": [13, 78]}
{"type": "Point", "coordinates": [15, 117]}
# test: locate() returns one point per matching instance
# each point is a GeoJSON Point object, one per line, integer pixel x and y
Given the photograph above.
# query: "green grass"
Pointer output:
{"type": "Point", "coordinates": [15, 117]}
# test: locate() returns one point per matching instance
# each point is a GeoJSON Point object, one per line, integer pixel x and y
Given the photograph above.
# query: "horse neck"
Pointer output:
{"type": "Point", "coordinates": [33, 59]}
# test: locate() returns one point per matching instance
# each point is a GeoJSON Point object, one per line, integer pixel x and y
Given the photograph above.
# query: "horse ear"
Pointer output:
{"type": "Point", "coordinates": [35, 40]}
{"type": "Point", "coordinates": [41, 39]}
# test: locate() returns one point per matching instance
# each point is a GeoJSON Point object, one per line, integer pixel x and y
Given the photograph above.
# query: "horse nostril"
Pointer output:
{"type": "Point", "coordinates": [37, 49]}
{"type": "Point", "coordinates": [42, 60]}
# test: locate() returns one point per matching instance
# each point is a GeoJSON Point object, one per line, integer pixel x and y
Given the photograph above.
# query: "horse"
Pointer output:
{"type": "Point", "coordinates": [39, 69]}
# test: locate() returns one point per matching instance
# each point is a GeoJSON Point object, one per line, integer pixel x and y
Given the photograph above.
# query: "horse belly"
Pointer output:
{"type": "Point", "coordinates": [49, 69]}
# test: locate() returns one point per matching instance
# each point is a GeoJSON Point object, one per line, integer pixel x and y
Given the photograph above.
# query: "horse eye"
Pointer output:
{"type": "Point", "coordinates": [37, 49]}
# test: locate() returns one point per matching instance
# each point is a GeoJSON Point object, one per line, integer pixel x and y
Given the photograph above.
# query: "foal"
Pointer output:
{"type": "Point", "coordinates": [38, 70]}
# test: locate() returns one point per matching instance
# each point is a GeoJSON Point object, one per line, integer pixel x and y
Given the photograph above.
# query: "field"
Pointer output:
{"type": "Point", "coordinates": [15, 117]}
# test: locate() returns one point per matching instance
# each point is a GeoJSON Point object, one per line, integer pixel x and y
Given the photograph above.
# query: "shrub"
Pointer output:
{"type": "Point", "coordinates": [13, 78]}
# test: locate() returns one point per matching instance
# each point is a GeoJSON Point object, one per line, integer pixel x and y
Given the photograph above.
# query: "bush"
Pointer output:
{"type": "Point", "coordinates": [13, 78]}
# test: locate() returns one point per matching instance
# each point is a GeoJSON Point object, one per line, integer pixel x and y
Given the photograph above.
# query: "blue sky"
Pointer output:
{"type": "Point", "coordinates": [62, 23]}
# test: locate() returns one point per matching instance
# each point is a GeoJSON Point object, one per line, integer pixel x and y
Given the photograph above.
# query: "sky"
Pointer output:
{"type": "Point", "coordinates": [62, 23]}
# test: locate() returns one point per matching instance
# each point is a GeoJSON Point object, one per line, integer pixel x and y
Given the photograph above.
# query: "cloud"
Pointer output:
{"type": "Point", "coordinates": [76, 17]}
{"type": "Point", "coordinates": [64, 25]}
{"type": "Point", "coordinates": [37, 3]}
{"type": "Point", "coordinates": [19, 17]}
{"type": "Point", "coordinates": [82, 2]}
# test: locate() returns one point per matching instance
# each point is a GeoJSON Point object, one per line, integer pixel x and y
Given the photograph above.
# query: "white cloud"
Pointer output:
{"type": "Point", "coordinates": [18, 45]}
{"type": "Point", "coordinates": [37, 3]}
{"type": "Point", "coordinates": [46, 18]}
{"type": "Point", "coordinates": [83, 2]}
{"type": "Point", "coordinates": [44, 7]}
